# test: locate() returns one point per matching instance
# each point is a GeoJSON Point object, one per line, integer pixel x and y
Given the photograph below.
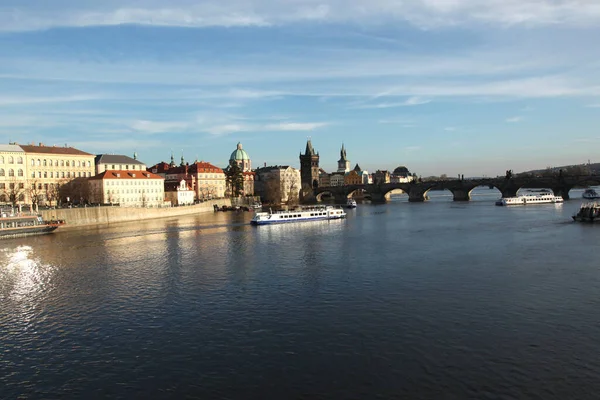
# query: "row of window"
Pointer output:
{"type": "Point", "coordinates": [11, 160]}
{"type": "Point", "coordinates": [63, 163]}
{"type": "Point", "coordinates": [51, 174]}
{"type": "Point", "coordinates": [140, 182]}
{"type": "Point", "coordinates": [12, 185]}
{"type": "Point", "coordinates": [11, 172]}
{"type": "Point", "coordinates": [126, 191]}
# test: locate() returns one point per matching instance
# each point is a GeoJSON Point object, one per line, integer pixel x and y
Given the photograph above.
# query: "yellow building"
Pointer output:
{"type": "Point", "coordinates": [127, 188]}
{"type": "Point", "coordinates": [35, 174]}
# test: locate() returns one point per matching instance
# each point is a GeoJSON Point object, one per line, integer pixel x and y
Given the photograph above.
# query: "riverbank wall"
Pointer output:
{"type": "Point", "coordinates": [109, 215]}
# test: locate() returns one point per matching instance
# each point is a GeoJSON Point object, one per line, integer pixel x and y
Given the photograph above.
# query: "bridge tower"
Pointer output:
{"type": "Point", "coordinates": [309, 172]}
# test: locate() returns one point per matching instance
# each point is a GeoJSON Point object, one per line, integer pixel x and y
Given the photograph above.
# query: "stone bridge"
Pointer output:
{"type": "Point", "coordinates": [461, 189]}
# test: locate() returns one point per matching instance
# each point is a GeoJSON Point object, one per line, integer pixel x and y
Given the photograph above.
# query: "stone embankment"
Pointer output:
{"type": "Point", "coordinates": [109, 215]}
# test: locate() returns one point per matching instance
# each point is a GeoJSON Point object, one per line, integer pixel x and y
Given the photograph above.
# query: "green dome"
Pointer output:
{"type": "Point", "coordinates": [239, 154]}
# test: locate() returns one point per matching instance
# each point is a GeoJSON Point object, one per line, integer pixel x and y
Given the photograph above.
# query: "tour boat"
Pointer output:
{"type": "Point", "coordinates": [351, 203]}
{"type": "Point", "coordinates": [18, 224]}
{"type": "Point", "coordinates": [542, 198]}
{"type": "Point", "coordinates": [590, 194]}
{"type": "Point", "coordinates": [302, 214]}
{"type": "Point", "coordinates": [588, 212]}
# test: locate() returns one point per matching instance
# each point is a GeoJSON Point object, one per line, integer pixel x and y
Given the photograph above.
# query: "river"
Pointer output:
{"type": "Point", "coordinates": [439, 300]}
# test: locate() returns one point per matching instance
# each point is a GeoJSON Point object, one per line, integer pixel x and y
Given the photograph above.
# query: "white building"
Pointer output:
{"type": "Point", "coordinates": [127, 188]}
{"type": "Point", "coordinates": [179, 195]}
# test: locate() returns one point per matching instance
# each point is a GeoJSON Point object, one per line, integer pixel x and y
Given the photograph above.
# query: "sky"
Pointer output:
{"type": "Point", "coordinates": [441, 86]}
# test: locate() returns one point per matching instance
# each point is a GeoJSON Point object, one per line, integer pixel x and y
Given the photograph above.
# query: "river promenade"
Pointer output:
{"type": "Point", "coordinates": [84, 216]}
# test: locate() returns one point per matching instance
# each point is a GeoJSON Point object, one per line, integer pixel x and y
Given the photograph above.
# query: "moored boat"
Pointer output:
{"type": "Point", "coordinates": [588, 212]}
{"type": "Point", "coordinates": [18, 224]}
{"type": "Point", "coordinates": [351, 203]}
{"type": "Point", "coordinates": [298, 215]}
{"type": "Point", "coordinates": [590, 194]}
{"type": "Point", "coordinates": [542, 198]}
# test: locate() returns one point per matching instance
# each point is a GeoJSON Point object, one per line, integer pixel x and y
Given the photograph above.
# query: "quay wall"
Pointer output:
{"type": "Point", "coordinates": [109, 215]}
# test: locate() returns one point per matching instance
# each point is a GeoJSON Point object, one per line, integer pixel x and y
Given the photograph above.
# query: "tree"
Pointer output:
{"type": "Point", "coordinates": [234, 179]}
{"type": "Point", "coordinates": [272, 190]}
{"type": "Point", "coordinates": [14, 191]}
{"type": "Point", "coordinates": [76, 190]}
{"type": "Point", "coordinates": [293, 192]}
{"type": "Point", "coordinates": [35, 193]}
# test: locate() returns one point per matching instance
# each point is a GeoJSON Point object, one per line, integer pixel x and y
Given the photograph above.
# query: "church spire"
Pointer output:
{"type": "Point", "coordinates": [182, 159]}
{"type": "Point", "coordinates": [172, 159]}
{"type": "Point", "coordinates": [309, 149]}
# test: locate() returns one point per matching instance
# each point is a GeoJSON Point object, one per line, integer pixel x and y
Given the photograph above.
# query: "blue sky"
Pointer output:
{"type": "Point", "coordinates": [441, 86]}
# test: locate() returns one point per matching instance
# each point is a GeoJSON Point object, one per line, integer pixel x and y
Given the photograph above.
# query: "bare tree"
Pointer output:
{"type": "Point", "coordinates": [293, 193]}
{"type": "Point", "coordinates": [272, 190]}
{"type": "Point", "coordinates": [14, 191]}
{"type": "Point", "coordinates": [76, 190]}
{"type": "Point", "coordinates": [34, 191]}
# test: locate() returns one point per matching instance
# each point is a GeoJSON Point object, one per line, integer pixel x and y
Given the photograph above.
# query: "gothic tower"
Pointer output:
{"type": "Point", "coordinates": [343, 162]}
{"type": "Point", "coordinates": [309, 168]}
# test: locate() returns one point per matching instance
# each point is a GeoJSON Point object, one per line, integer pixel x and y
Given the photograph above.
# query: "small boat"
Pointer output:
{"type": "Point", "coordinates": [315, 213]}
{"type": "Point", "coordinates": [588, 212]}
{"type": "Point", "coordinates": [256, 206]}
{"type": "Point", "coordinates": [542, 198]}
{"type": "Point", "coordinates": [351, 203]}
{"type": "Point", "coordinates": [590, 194]}
{"type": "Point", "coordinates": [18, 224]}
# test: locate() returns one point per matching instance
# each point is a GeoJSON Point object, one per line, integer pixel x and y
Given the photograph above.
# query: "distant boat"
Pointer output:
{"type": "Point", "coordinates": [588, 212]}
{"type": "Point", "coordinates": [351, 203]}
{"type": "Point", "coordinates": [590, 194]}
{"type": "Point", "coordinates": [542, 198]}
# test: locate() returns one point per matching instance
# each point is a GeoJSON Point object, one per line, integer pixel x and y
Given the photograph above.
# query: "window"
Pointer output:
{"type": "Point", "coordinates": [67, 163]}
{"type": "Point", "coordinates": [2, 185]}
{"type": "Point", "coordinates": [113, 166]}
{"type": "Point", "coordinates": [79, 163]}
{"type": "Point", "coordinates": [20, 172]}
{"type": "Point", "coordinates": [62, 163]}
{"type": "Point", "coordinates": [44, 163]}
{"type": "Point", "coordinates": [32, 163]}
{"type": "Point", "coordinates": [1, 172]}
{"type": "Point", "coordinates": [19, 160]}
{"type": "Point", "coordinates": [38, 162]}
{"type": "Point", "coordinates": [73, 163]}
{"type": "Point", "coordinates": [68, 174]}
{"type": "Point", "coordinates": [89, 174]}
{"type": "Point", "coordinates": [63, 174]}
{"type": "Point", "coordinates": [11, 172]}
{"type": "Point", "coordinates": [51, 174]}
{"type": "Point", "coordinates": [39, 174]}
{"type": "Point", "coordinates": [11, 160]}
{"type": "Point", "coordinates": [45, 174]}
{"type": "Point", "coordinates": [89, 164]}
{"type": "Point", "coordinates": [21, 185]}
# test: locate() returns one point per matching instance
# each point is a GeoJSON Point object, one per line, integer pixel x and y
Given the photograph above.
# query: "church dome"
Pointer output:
{"type": "Point", "coordinates": [401, 170]}
{"type": "Point", "coordinates": [239, 154]}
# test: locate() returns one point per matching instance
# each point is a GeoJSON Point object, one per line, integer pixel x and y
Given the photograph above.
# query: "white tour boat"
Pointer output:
{"type": "Point", "coordinates": [590, 194]}
{"type": "Point", "coordinates": [303, 214]}
{"type": "Point", "coordinates": [351, 203]}
{"type": "Point", "coordinates": [542, 198]}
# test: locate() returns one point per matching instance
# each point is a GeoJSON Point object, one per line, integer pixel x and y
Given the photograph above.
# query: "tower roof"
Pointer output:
{"type": "Point", "coordinates": [239, 154]}
{"type": "Point", "coordinates": [357, 168]}
{"type": "Point", "coordinates": [309, 149]}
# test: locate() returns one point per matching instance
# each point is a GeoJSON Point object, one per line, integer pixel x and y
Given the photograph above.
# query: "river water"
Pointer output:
{"type": "Point", "coordinates": [439, 300]}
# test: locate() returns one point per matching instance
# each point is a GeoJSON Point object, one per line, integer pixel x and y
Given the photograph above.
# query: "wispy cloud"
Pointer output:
{"type": "Point", "coordinates": [151, 127]}
{"type": "Point", "coordinates": [514, 119]}
{"type": "Point", "coordinates": [412, 101]}
{"type": "Point", "coordinates": [593, 105]}
{"type": "Point", "coordinates": [38, 14]}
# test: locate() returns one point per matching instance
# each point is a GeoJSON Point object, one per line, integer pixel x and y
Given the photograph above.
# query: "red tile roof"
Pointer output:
{"type": "Point", "coordinates": [53, 150]}
{"type": "Point", "coordinates": [126, 174]}
{"type": "Point", "coordinates": [199, 167]}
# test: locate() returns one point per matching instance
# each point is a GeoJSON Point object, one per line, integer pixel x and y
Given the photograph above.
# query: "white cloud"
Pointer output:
{"type": "Point", "coordinates": [514, 119]}
{"type": "Point", "coordinates": [593, 105]}
{"type": "Point", "coordinates": [412, 101]}
{"type": "Point", "coordinates": [295, 126]}
{"type": "Point", "coordinates": [30, 100]}
{"type": "Point", "coordinates": [38, 14]}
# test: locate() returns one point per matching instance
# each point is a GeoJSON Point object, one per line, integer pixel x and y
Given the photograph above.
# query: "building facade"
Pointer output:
{"type": "Point", "coordinates": [324, 178]}
{"type": "Point", "coordinates": [43, 174]}
{"type": "Point", "coordinates": [179, 194]}
{"type": "Point", "coordinates": [401, 175]}
{"type": "Point", "coordinates": [203, 178]}
{"type": "Point", "coordinates": [380, 177]}
{"type": "Point", "coordinates": [337, 178]}
{"type": "Point", "coordinates": [127, 188]}
{"type": "Point", "coordinates": [278, 184]}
